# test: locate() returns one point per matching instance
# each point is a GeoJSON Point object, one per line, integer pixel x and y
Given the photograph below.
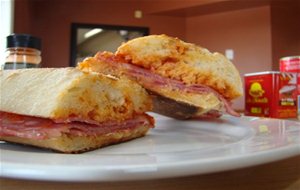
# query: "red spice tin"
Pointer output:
{"type": "Point", "coordinates": [271, 94]}
{"type": "Point", "coordinates": [291, 64]}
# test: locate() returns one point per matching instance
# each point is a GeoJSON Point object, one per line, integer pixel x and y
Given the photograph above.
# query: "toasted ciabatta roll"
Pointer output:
{"type": "Point", "coordinates": [186, 81]}
{"type": "Point", "coordinates": [69, 110]}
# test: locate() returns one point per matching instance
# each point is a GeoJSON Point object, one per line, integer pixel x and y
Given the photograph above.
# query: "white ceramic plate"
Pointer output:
{"type": "Point", "coordinates": [174, 148]}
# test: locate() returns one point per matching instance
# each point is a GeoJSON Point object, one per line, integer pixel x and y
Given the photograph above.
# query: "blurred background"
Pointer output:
{"type": "Point", "coordinates": [254, 34]}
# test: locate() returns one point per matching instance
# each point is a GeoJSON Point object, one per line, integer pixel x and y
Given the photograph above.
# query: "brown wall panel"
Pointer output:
{"type": "Point", "coordinates": [52, 20]}
{"type": "Point", "coordinates": [23, 16]}
{"type": "Point", "coordinates": [285, 29]}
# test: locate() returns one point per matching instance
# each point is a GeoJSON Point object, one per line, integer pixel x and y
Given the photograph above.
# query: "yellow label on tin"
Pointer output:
{"type": "Point", "coordinates": [256, 110]}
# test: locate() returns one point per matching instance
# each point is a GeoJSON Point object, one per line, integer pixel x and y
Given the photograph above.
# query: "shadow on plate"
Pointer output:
{"type": "Point", "coordinates": [23, 148]}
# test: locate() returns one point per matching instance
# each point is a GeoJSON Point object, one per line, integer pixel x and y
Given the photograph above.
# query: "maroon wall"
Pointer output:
{"type": "Point", "coordinates": [51, 20]}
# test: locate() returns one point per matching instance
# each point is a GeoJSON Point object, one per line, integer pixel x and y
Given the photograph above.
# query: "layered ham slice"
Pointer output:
{"type": "Point", "coordinates": [152, 81]}
{"type": "Point", "coordinates": [41, 128]}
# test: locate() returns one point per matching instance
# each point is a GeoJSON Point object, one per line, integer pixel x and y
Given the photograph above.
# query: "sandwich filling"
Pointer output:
{"type": "Point", "coordinates": [30, 127]}
{"type": "Point", "coordinates": [109, 64]}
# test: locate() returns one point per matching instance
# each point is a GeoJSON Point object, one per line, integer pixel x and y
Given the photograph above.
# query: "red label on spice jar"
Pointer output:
{"type": "Point", "coordinates": [271, 94]}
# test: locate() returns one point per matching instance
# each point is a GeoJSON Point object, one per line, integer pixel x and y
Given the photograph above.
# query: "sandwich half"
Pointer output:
{"type": "Point", "coordinates": [71, 111]}
{"type": "Point", "coordinates": [185, 80]}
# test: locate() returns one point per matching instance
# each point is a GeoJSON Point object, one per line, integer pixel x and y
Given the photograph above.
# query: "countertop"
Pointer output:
{"type": "Point", "coordinates": [279, 175]}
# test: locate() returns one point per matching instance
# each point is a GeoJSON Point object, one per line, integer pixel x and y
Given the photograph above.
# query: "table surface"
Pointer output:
{"type": "Point", "coordinates": [279, 175]}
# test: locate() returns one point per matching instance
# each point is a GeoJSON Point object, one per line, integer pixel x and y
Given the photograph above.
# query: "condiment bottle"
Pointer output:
{"type": "Point", "coordinates": [23, 51]}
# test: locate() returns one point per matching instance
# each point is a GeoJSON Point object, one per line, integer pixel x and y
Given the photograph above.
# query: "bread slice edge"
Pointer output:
{"type": "Point", "coordinates": [68, 143]}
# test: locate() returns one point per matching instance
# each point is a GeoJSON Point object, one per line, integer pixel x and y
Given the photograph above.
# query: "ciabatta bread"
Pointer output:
{"type": "Point", "coordinates": [189, 63]}
{"type": "Point", "coordinates": [71, 111]}
{"type": "Point", "coordinates": [68, 93]}
{"type": "Point", "coordinates": [195, 104]}
{"type": "Point", "coordinates": [179, 75]}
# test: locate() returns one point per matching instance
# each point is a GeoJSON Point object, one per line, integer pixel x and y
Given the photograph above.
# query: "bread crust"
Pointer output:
{"type": "Point", "coordinates": [67, 143]}
{"type": "Point", "coordinates": [70, 94]}
{"type": "Point", "coordinates": [186, 62]}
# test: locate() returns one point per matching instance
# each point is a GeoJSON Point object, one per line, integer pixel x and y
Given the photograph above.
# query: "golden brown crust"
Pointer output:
{"type": "Point", "coordinates": [67, 92]}
{"type": "Point", "coordinates": [78, 144]}
{"type": "Point", "coordinates": [173, 58]}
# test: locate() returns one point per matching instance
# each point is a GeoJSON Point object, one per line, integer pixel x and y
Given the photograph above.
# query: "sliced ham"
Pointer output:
{"type": "Point", "coordinates": [41, 128]}
{"type": "Point", "coordinates": [154, 81]}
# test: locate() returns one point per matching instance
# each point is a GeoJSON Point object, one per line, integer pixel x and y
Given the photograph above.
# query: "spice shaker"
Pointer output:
{"type": "Point", "coordinates": [23, 51]}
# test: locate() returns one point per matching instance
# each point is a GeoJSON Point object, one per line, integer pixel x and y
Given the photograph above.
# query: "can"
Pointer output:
{"type": "Point", "coordinates": [271, 94]}
{"type": "Point", "coordinates": [292, 64]}
{"type": "Point", "coordinates": [298, 107]}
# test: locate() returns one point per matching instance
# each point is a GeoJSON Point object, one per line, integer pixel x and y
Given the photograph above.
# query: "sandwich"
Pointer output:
{"type": "Point", "coordinates": [185, 80]}
{"type": "Point", "coordinates": [71, 111]}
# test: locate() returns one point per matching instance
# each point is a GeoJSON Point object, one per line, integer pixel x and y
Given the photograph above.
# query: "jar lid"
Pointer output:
{"type": "Point", "coordinates": [23, 40]}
